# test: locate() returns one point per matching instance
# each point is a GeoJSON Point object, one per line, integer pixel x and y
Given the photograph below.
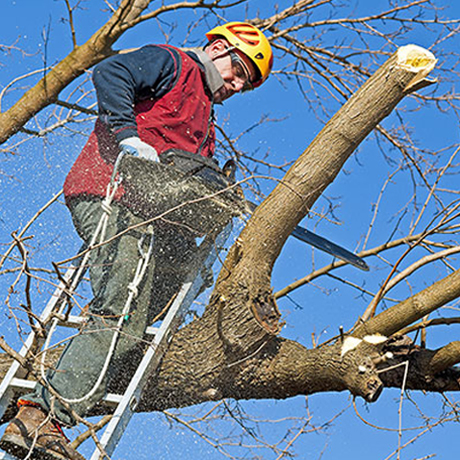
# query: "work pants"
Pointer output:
{"type": "Point", "coordinates": [112, 268]}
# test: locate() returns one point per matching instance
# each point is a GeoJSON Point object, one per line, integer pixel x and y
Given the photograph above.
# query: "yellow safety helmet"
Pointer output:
{"type": "Point", "coordinates": [250, 41]}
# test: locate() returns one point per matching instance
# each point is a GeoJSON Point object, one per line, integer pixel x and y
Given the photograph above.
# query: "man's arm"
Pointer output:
{"type": "Point", "coordinates": [124, 79]}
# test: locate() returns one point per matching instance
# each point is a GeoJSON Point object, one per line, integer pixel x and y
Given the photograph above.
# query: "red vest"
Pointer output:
{"type": "Point", "coordinates": [180, 119]}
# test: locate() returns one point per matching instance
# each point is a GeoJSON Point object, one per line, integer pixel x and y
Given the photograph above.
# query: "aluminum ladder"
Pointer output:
{"type": "Point", "coordinates": [124, 405]}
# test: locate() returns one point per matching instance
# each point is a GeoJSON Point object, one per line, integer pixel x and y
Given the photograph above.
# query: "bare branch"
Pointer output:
{"type": "Point", "coordinates": [414, 308]}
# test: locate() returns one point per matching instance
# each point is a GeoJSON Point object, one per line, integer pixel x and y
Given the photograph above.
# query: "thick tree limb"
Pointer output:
{"type": "Point", "coordinates": [429, 370]}
{"type": "Point", "coordinates": [445, 357]}
{"type": "Point", "coordinates": [251, 259]}
{"type": "Point", "coordinates": [319, 165]}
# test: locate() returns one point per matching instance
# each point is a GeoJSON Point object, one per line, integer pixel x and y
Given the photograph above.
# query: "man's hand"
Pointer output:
{"type": "Point", "coordinates": [134, 146]}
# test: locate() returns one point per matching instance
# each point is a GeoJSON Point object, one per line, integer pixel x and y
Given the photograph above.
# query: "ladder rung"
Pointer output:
{"type": "Point", "coordinates": [23, 384]}
{"type": "Point", "coordinates": [74, 321]}
{"type": "Point", "coordinates": [112, 399]}
{"type": "Point", "coordinates": [152, 330]}
{"type": "Point", "coordinates": [77, 321]}
{"type": "Point", "coordinates": [71, 321]}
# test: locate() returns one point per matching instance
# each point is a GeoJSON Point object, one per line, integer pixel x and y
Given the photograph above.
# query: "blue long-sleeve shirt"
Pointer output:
{"type": "Point", "coordinates": [148, 72]}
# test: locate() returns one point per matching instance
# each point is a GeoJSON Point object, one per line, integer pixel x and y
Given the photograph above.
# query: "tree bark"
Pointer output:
{"type": "Point", "coordinates": [428, 370]}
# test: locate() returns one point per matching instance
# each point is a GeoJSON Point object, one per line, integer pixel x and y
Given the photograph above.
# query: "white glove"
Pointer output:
{"type": "Point", "coordinates": [134, 146]}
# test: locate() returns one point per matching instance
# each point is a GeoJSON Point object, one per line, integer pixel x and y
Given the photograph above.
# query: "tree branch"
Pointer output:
{"type": "Point", "coordinates": [412, 309]}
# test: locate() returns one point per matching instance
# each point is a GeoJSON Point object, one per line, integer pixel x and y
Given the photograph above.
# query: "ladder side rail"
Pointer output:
{"type": "Point", "coordinates": [15, 369]}
{"type": "Point", "coordinates": [131, 398]}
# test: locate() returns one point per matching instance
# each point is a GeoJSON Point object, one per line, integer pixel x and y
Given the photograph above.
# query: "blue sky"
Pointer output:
{"type": "Point", "coordinates": [29, 178]}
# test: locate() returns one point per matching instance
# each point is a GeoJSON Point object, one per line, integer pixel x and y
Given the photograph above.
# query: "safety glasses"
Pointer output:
{"type": "Point", "coordinates": [241, 71]}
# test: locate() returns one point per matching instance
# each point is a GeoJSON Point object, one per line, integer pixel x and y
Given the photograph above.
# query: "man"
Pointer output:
{"type": "Point", "coordinates": [150, 100]}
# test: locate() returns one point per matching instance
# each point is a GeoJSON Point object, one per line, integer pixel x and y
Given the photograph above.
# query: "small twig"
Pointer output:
{"type": "Point", "coordinates": [285, 451]}
{"type": "Point", "coordinates": [27, 226]}
{"type": "Point", "coordinates": [87, 434]}
{"type": "Point", "coordinates": [199, 433]}
{"type": "Point", "coordinates": [77, 107]}
{"type": "Point", "coordinates": [72, 27]}
{"type": "Point", "coordinates": [28, 306]}
{"type": "Point", "coordinates": [428, 323]}
{"type": "Point", "coordinates": [15, 355]}
{"type": "Point", "coordinates": [339, 263]}
{"type": "Point", "coordinates": [423, 332]}
{"type": "Point", "coordinates": [403, 387]}
{"type": "Point", "coordinates": [418, 264]}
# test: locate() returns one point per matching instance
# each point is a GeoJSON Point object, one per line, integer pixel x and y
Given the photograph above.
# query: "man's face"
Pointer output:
{"type": "Point", "coordinates": [237, 71]}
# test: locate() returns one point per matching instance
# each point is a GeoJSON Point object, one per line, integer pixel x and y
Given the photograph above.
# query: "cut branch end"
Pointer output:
{"type": "Point", "coordinates": [419, 61]}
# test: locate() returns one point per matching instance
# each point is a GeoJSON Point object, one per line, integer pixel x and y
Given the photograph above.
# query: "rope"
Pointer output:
{"type": "Point", "coordinates": [133, 291]}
